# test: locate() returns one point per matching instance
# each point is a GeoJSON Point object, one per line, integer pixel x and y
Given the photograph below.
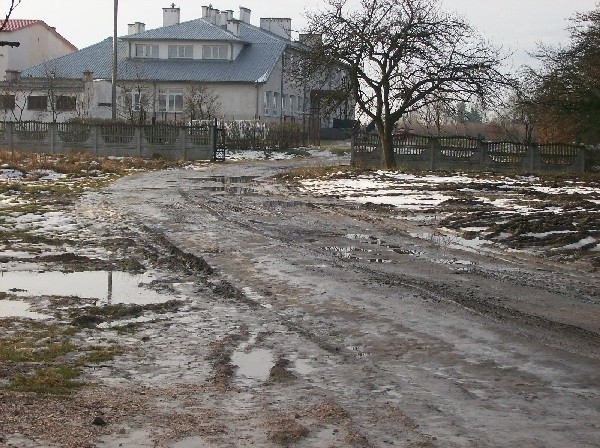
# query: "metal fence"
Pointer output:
{"type": "Point", "coordinates": [466, 153]}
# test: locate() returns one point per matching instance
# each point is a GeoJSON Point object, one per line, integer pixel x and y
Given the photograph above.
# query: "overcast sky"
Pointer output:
{"type": "Point", "coordinates": [516, 25]}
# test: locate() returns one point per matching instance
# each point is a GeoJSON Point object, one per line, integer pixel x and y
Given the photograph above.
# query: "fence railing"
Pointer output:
{"type": "Point", "coordinates": [115, 139]}
{"type": "Point", "coordinates": [467, 153]}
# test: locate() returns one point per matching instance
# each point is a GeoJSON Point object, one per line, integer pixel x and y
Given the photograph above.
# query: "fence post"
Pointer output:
{"type": "Point", "coordinates": [51, 135]}
{"type": "Point", "coordinates": [534, 154]}
{"type": "Point", "coordinates": [483, 148]}
{"type": "Point", "coordinates": [182, 137]}
{"type": "Point", "coordinates": [95, 137]}
{"type": "Point", "coordinates": [434, 147]}
{"type": "Point", "coordinates": [214, 137]}
{"type": "Point", "coordinates": [137, 132]}
{"type": "Point", "coordinates": [10, 134]}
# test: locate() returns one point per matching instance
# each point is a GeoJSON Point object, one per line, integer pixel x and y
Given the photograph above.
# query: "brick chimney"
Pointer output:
{"type": "Point", "coordinates": [171, 16]}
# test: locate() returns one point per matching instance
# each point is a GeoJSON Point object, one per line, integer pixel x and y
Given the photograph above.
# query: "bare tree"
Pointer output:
{"type": "Point", "coordinates": [11, 8]}
{"type": "Point", "coordinates": [201, 103]}
{"type": "Point", "coordinates": [13, 4]}
{"type": "Point", "coordinates": [400, 56]}
{"type": "Point", "coordinates": [566, 92]}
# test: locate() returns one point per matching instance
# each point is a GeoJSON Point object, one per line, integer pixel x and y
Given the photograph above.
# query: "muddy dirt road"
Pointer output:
{"type": "Point", "coordinates": [445, 348]}
{"type": "Point", "coordinates": [314, 322]}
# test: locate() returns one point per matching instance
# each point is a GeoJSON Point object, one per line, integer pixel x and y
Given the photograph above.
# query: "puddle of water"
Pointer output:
{"type": "Point", "coordinates": [105, 286]}
{"type": "Point", "coordinates": [303, 366]}
{"type": "Point", "coordinates": [17, 308]}
{"type": "Point", "coordinates": [234, 185]}
{"type": "Point", "coordinates": [252, 295]}
{"type": "Point", "coordinates": [253, 366]}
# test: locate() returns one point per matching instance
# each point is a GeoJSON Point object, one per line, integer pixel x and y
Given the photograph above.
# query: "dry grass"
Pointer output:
{"type": "Point", "coordinates": [78, 164]}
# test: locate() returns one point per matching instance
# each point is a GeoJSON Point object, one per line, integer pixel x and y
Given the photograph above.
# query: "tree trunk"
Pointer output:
{"type": "Point", "coordinates": [387, 146]}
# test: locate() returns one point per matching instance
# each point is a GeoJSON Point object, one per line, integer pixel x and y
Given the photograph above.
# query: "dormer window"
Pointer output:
{"type": "Point", "coordinates": [215, 52]}
{"type": "Point", "coordinates": [146, 51]}
{"type": "Point", "coordinates": [181, 52]}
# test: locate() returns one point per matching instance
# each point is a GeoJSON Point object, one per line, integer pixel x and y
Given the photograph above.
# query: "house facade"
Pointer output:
{"type": "Point", "coordinates": [217, 66]}
{"type": "Point", "coordinates": [38, 41]}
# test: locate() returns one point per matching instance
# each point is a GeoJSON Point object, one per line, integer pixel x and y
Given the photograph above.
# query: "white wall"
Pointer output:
{"type": "Point", "coordinates": [38, 44]}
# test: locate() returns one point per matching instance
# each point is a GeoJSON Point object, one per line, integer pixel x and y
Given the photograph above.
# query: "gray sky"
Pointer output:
{"type": "Point", "coordinates": [516, 25]}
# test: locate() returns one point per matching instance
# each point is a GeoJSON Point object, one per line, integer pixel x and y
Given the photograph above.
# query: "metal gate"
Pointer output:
{"type": "Point", "coordinates": [219, 142]}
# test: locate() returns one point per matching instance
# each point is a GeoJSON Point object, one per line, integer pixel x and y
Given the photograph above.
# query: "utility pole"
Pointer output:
{"type": "Point", "coordinates": [114, 63]}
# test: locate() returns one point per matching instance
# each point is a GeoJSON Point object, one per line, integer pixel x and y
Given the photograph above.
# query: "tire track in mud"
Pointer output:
{"type": "Point", "coordinates": [430, 290]}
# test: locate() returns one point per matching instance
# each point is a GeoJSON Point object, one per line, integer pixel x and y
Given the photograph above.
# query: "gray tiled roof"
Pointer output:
{"type": "Point", "coordinates": [198, 29]}
{"type": "Point", "coordinates": [262, 50]}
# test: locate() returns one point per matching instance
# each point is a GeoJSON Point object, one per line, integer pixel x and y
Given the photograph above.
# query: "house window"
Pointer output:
{"type": "Point", "coordinates": [275, 104]}
{"type": "Point", "coordinates": [284, 104]}
{"type": "Point", "coordinates": [181, 52]}
{"type": "Point", "coordinates": [7, 102]}
{"type": "Point", "coordinates": [171, 101]}
{"type": "Point", "coordinates": [292, 104]}
{"type": "Point", "coordinates": [267, 102]}
{"type": "Point", "coordinates": [136, 101]}
{"type": "Point", "coordinates": [146, 51]}
{"type": "Point", "coordinates": [300, 104]}
{"type": "Point", "coordinates": [215, 51]}
{"type": "Point", "coordinates": [37, 102]}
{"type": "Point", "coordinates": [66, 103]}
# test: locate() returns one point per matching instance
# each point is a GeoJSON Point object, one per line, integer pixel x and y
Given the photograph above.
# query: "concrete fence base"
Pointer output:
{"type": "Point", "coordinates": [470, 154]}
{"type": "Point", "coordinates": [169, 142]}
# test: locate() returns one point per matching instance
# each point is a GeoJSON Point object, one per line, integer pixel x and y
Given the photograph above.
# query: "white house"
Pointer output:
{"type": "Point", "coordinates": [216, 65]}
{"type": "Point", "coordinates": [38, 43]}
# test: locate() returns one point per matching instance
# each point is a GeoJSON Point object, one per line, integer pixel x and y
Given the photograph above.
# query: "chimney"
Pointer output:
{"type": "Point", "coordinates": [88, 76]}
{"type": "Point", "coordinates": [245, 15]}
{"type": "Point", "coordinates": [229, 14]}
{"type": "Point", "coordinates": [233, 26]}
{"type": "Point", "coordinates": [205, 12]}
{"type": "Point", "coordinates": [135, 28]}
{"type": "Point", "coordinates": [214, 14]}
{"type": "Point", "coordinates": [13, 75]}
{"type": "Point", "coordinates": [279, 27]}
{"type": "Point", "coordinates": [171, 16]}
{"type": "Point", "coordinates": [223, 18]}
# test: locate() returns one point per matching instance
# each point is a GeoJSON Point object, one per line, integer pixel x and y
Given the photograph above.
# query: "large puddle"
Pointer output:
{"type": "Point", "coordinates": [106, 287]}
{"type": "Point", "coordinates": [17, 308]}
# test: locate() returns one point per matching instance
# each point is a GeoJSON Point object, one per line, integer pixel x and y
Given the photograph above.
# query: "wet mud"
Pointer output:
{"type": "Point", "coordinates": [256, 314]}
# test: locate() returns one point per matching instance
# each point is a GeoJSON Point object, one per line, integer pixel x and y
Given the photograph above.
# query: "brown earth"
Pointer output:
{"type": "Point", "coordinates": [312, 322]}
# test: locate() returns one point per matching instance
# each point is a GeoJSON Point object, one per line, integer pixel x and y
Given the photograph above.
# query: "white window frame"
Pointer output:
{"type": "Point", "coordinates": [168, 101]}
{"type": "Point", "coordinates": [146, 51]}
{"type": "Point", "coordinates": [220, 52]}
{"type": "Point", "coordinates": [275, 105]}
{"type": "Point", "coordinates": [180, 52]}
{"type": "Point", "coordinates": [267, 103]}
{"type": "Point", "coordinates": [136, 99]}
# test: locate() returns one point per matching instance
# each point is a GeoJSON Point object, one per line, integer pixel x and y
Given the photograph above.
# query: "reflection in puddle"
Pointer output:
{"type": "Point", "coordinates": [234, 185]}
{"type": "Point", "coordinates": [105, 286]}
{"type": "Point", "coordinates": [17, 308]}
{"type": "Point", "coordinates": [253, 366]}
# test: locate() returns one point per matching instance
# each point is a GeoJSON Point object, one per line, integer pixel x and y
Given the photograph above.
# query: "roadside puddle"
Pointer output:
{"type": "Point", "coordinates": [234, 185]}
{"type": "Point", "coordinates": [106, 287]}
{"type": "Point", "coordinates": [253, 365]}
{"type": "Point", "coordinates": [18, 308]}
